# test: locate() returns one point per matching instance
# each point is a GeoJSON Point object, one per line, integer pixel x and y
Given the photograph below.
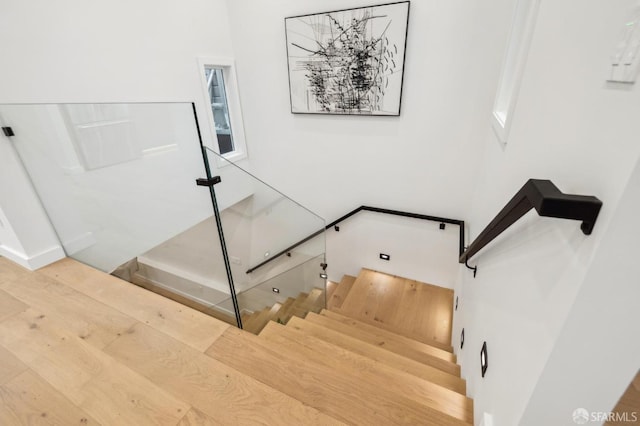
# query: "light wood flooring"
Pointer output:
{"type": "Point", "coordinates": [417, 310]}
{"type": "Point", "coordinates": [78, 346]}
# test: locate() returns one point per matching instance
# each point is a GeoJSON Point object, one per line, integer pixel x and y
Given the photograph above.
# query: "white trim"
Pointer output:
{"type": "Point", "coordinates": [34, 262]}
{"type": "Point", "coordinates": [79, 243]}
{"type": "Point", "coordinates": [513, 66]}
{"type": "Point", "coordinates": [233, 100]}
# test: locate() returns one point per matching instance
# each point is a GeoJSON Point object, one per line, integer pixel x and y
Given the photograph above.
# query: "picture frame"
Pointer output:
{"type": "Point", "coordinates": [348, 61]}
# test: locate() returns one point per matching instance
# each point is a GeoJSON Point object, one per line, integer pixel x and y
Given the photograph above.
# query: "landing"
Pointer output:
{"type": "Point", "coordinates": [421, 311]}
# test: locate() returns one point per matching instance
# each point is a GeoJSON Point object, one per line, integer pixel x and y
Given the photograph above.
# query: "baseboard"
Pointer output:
{"type": "Point", "coordinates": [79, 243]}
{"type": "Point", "coordinates": [34, 262]}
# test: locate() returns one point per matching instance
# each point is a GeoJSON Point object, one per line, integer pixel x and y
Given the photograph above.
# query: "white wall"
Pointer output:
{"type": "Point", "coordinates": [116, 51]}
{"type": "Point", "coordinates": [452, 65]}
{"type": "Point", "coordinates": [597, 351]}
{"type": "Point", "coordinates": [419, 249]}
{"type": "Point", "coordinates": [572, 127]}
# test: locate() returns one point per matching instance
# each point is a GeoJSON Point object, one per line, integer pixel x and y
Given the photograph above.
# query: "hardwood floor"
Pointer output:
{"type": "Point", "coordinates": [416, 310]}
{"type": "Point", "coordinates": [78, 346]}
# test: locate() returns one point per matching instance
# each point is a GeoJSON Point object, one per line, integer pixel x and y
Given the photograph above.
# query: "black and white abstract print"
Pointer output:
{"type": "Point", "coordinates": [348, 61]}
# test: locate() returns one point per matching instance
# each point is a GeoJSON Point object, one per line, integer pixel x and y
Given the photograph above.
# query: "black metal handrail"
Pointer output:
{"type": "Point", "coordinates": [369, 209]}
{"type": "Point", "coordinates": [547, 200]}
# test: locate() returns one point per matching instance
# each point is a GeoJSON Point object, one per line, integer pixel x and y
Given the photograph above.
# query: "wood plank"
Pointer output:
{"type": "Point", "coordinates": [376, 374]}
{"type": "Point", "coordinates": [212, 387]}
{"type": "Point", "coordinates": [10, 270]}
{"type": "Point", "coordinates": [89, 319]}
{"type": "Point", "coordinates": [331, 287]}
{"type": "Point", "coordinates": [10, 366]}
{"type": "Point", "coordinates": [29, 334]}
{"type": "Point", "coordinates": [120, 396]}
{"type": "Point", "coordinates": [185, 324]}
{"type": "Point", "coordinates": [29, 400]}
{"type": "Point", "coordinates": [314, 302]}
{"type": "Point", "coordinates": [366, 293]}
{"type": "Point", "coordinates": [387, 344]}
{"type": "Point", "coordinates": [382, 333]}
{"type": "Point", "coordinates": [426, 310]}
{"type": "Point", "coordinates": [330, 391]}
{"type": "Point", "coordinates": [341, 292]}
{"type": "Point", "coordinates": [376, 353]}
{"type": "Point", "coordinates": [289, 312]}
{"type": "Point", "coordinates": [393, 329]}
{"type": "Point", "coordinates": [256, 324]}
{"type": "Point", "coordinates": [279, 317]}
{"type": "Point", "coordinates": [197, 418]}
{"type": "Point", "coordinates": [9, 305]}
{"type": "Point", "coordinates": [70, 365]}
{"type": "Point", "coordinates": [209, 310]}
{"type": "Point", "coordinates": [412, 307]}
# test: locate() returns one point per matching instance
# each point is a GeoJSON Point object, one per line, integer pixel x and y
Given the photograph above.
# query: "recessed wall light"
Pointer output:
{"type": "Point", "coordinates": [266, 254]}
{"type": "Point", "coordinates": [275, 290]}
{"type": "Point", "coordinates": [484, 361]}
{"type": "Point", "coordinates": [384, 256]}
{"type": "Point", "coordinates": [324, 276]}
{"type": "Point", "coordinates": [456, 303]}
{"type": "Point", "coordinates": [462, 339]}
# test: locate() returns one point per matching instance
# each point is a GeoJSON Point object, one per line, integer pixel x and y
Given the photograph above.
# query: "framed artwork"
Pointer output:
{"type": "Point", "coordinates": [348, 61]}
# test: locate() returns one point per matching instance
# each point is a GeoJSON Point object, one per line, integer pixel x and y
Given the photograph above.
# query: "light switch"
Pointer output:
{"type": "Point", "coordinates": [624, 60]}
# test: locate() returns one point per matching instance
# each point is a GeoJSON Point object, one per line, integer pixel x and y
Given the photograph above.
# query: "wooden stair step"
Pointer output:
{"type": "Point", "coordinates": [378, 354]}
{"type": "Point", "coordinates": [397, 330]}
{"type": "Point", "coordinates": [341, 292]}
{"type": "Point", "coordinates": [293, 308]}
{"type": "Point", "coordinates": [185, 324]}
{"type": "Point", "coordinates": [374, 373]}
{"type": "Point", "coordinates": [331, 287]}
{"type": "Point", "coordinates": [256, 324]}
{"type": "Point", "coordinates": [314, 302]}
{"type": "Point", "coordinates": [414, 307]}
{"type": "Point", "coordinates": [388, 344]}
{"type": "Point", "coordinates": [334, 392]}
{"type": "Point", "coordinates": [212, 387]}
{"type": "Point", "coordinates": [382, 333]}
{"type": "Point", "coordinates": [281, 315]}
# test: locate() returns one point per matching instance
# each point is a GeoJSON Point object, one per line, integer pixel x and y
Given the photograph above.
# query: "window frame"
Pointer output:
{"type": "Point", "coordinates": [513, 65]}
{"type": "Point", "coordinates": [227, 65]}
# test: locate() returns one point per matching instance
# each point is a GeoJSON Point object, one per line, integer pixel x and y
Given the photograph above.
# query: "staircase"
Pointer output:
{"type": "Point", "coordinates": [384, 341]}
{"type": "Point", "coordinates": [135, 357]}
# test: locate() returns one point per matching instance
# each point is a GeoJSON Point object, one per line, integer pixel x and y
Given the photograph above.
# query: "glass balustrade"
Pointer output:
{"type": "Point", "coordinates": [118, 183]}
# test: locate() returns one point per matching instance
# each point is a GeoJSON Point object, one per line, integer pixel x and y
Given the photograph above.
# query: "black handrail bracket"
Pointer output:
{"type": "Point", "coordinates": [548, 201]}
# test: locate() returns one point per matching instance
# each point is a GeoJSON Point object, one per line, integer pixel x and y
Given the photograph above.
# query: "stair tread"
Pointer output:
{"type": "Point", "coordinates": [331, 287]}
{"type": "Point", "coordinates": [204, 383]}
{"type": "Point", "coordinates": [378, 354]}
{"type": "Point", "coordinates": [341, 291]}
{"type": "Point", "coordinates": [408, 305]}
{"type": "Point", "coordinates": [387, 344]}
{"type": "Point", "coordinates": [375, 373]}
{"type": "Point", "coordinates": [258, 323]}
{"type": "Point", "coordinates": [397, 330]}
{"type": "Point", "coordinates": [382, 333]}
{"type": "Point", "coordinates": [332, 392]}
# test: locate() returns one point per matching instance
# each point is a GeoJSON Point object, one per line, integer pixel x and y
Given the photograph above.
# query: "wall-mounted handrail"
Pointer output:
{"type": "Point", "coordinates": [369, 209]}
{"type": "Point", "coordinates": [547, 200]}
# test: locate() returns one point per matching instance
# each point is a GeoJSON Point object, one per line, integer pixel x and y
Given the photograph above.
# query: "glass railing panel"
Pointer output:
{"type": "Point", "coordinates": [118, 184]}
{"type": "Point", "coordinates": [295, 292]}
{"type": "Point", "coordinates": [262, 225]}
